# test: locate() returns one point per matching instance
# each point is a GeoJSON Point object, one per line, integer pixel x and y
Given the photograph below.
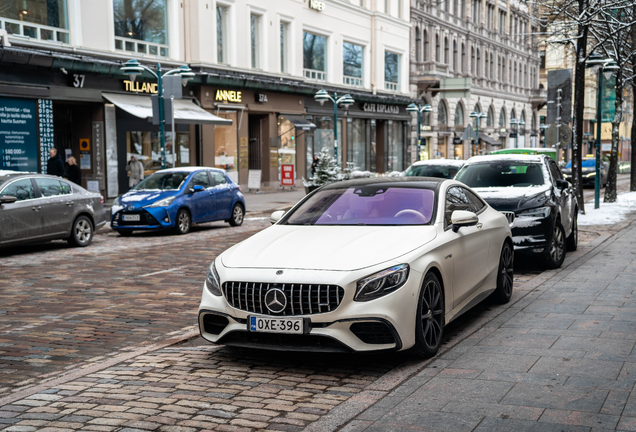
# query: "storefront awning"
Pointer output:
{"type": "Point", "coordinates": [185, 111]}
{"type": "Point", "coordinates": [300, 123]}
{"type": "Point", "coordinates": [488, 139]}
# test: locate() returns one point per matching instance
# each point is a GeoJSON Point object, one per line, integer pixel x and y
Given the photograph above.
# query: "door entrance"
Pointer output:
{"type": "Point", "coordinates": [255, 132]}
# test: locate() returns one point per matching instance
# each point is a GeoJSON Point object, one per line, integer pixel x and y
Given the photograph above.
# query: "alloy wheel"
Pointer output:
{"type": "Point", "coordinates": [556, 249]}
{"type": "Point", "coordinates": [237, 215]}
{"type": "Point", "coordinates": [507, 271]}
{"type": "Point", "coordinates": [83, 231]}
{"type": "Point", "coordinates": [432, 314]}
{"type": "Point", "coordinates": [184, 222]}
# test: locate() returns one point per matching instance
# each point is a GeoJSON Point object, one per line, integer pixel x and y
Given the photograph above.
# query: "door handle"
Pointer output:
{"type": "Point", "coordinates": [36, 208]}
{"type": "Point", "coordinates": [69, 203]}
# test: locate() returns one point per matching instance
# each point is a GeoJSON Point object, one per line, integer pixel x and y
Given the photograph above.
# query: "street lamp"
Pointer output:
{"type": "Point", "coordinates": [477, 116]}
{"type": "Point", "coordinates": [517, 123]}
{"type": "Point", "coordinates": [604, 66]}
{"type": "Point", "coordinates": [133, 68]}
{"type": "Point", "coordinates": [419, 108]}
{"type": "Point", "coordinates": [322, 96]}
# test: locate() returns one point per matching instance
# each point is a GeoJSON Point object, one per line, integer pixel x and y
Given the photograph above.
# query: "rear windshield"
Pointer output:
{"type": "Point", "coordinates": [439, 171]}
{"type": "Point", "coordinates": [163, 181]}
{"type": "Point", "coordinates": [586, 163]}
{"type": "Point", "coordinates": [502, 174]}
{"type": "Point", "coordinates": [366, 205]}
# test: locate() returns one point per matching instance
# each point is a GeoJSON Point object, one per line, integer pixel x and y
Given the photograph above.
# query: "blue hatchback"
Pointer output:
{"type": "Point", "coordinates": [177, 198]}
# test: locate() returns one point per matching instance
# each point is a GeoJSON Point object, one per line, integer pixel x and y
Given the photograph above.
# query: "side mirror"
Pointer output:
{"type": "Point", "coordinates": [8, 199]}
{"type": "Point", "coordinates": [197, 188]}
{"type": "Point", "coordinates": [562, 184]}
{"type": "Point", "coordinates": [463, 218]}
{"type": "Point", "coordinates": [276, 216]}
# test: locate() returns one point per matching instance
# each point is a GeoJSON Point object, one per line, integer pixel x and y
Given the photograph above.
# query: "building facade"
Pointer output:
{"type": "Point", "coordinates": [257, 64]}
{"type": "Point", "coordinates": [475, 56]}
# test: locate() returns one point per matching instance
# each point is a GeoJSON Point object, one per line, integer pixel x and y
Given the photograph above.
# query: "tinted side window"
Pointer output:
{"type": "Point", "coordinates": [49, 187]}
{"type": "Point", "coordinates": [554, 169]}
{"type": "Point", "coordinates": [66, 188]}
{"type": "Point", "coordinates": [21, 189]}
{"type": "Point", "coordinates": [200, 179]}
{"type": "Point", "coordinates": [476, 205]}
{"type": "Point", "coordinates": [456, 199]}
{"type": "Point", "coordinates": [219, 178]}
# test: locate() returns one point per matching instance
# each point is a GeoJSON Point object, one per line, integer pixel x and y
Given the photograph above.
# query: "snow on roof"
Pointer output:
{"type": "Point", "coordinates": [499, 157]}
{"type": "Point", "coordinates": [451, 162]}
{"type": "Point", "coordinates": [609, 213]}
{"type": "Point", "coordinates": [191, 168]}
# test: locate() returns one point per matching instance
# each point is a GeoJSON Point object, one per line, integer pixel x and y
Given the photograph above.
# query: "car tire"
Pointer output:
{"type": "Point", "coordinates": [429, 324]}
{"type": "Point", "coordinates": [125, 233]}
{"type": "Point", "coordinates": [573, 238]}
{"type": "Point", "coordinates": [81, 232]}
{"type": "Point", "coordinates": [505, 275]}
{"type": "Point", "coordinates": [556, 249]}
{"type": "Point", "coordinates": [183, 222]}
{"type": "Point", "coordinates": [238, 214]}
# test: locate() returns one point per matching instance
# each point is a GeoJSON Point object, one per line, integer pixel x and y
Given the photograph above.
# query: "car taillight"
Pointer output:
{"type": "Point", "coordinates": [240, 188]}
{"type": "Point", "coordinates": [101, 200]}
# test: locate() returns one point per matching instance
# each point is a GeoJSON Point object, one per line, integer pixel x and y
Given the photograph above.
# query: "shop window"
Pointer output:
{"type": "Point", "coordinates": [352, 61]}
{"type": "Point", "coordinates": [357, 143]}
{"type": "Point", "coordinates": [395, 147]}
{"type": "Point", "coordinates": [221, 34]}
{"type": "Point", "coordinates": [225, 143]}
{"type": "Point", "coordinates": [37, 19]}
{"type": "Point", "coordinates": [146, 146]}
{"type": "Point", "coordinates": [314, 56]}
{"type": "Point", "coordinates": [391, 71]}
{"type": "Point", "coordinates": [323, 135]}
{"type": "Point", "coordinates": [141, 26]}
{"type": "Point", "coordinates": [255, 40]}
{"type": "Point", "coordinates": [287, 149]}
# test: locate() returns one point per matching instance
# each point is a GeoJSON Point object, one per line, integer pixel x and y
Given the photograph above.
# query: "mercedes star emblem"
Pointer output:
{"type": "Point", "coordinates": [279, 272]}
{"type": "Point", "coordinates": [275, 300]}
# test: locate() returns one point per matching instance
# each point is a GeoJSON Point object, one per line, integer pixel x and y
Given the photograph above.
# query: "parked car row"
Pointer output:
{"type": "Point", "coordinates": [39, 207]}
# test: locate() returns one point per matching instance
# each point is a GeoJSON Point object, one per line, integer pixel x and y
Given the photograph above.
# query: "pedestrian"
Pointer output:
{"type": "Point", "coordinates": [135, 171]}
{"type": "Point", "coordinates": [55, 164]}
{"type": "Point", "coordinates": [73, 172]}
{"type": "Point", "coordinates": [314, 164]}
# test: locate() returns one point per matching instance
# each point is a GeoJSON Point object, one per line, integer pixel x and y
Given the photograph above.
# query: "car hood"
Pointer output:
{"type": "Point", "coordinates": [584, 170]}
{"type": "Point", "coordinates": [340, 248]}
{"type": "Point", "coordinates": [142, 198]}
{"type": "Point", "coordinates": [514, 198]}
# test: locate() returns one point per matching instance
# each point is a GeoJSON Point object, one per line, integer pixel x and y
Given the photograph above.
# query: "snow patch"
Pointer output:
{"type": "Point", "coordinates": [609, 213]}
{"type": "Point", "coordinates": [510, 191]}
{"type": "Point", "coordinates": [525, 222]}
{"type": "Point", "coordinates": [521, 239]}
{"type": "Point", "coordinates": [139, 197]}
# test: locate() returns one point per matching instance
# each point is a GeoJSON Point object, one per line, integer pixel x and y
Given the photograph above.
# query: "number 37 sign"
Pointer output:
{"type": "Point", "coordinates": [287, 175]}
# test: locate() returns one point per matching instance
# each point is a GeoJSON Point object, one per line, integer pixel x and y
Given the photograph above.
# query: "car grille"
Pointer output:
{"type": "Point", "coordinates": [302, 299]}
{"type": "Point", "coordinates": [145, 218]}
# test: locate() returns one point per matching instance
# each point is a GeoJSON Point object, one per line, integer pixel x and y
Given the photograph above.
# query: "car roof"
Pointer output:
{"type": "Point", "coordinates": [190, 169]}
{"type": "Point", "coordinates": [418, 182]}
{"type": "Point", "coordinates": [8, 175]}
{"type": "Point", "coordinates": [509, 157]}
{"type": "Point", "coordinates": [451, 162]}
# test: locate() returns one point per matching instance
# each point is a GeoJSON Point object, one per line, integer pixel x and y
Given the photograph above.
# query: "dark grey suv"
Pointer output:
{"type": "Point", "coordinates": [38, 207]}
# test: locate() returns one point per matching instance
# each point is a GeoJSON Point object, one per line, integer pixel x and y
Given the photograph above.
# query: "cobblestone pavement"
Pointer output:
{"type": "Point", "coordinates": [81, 333]}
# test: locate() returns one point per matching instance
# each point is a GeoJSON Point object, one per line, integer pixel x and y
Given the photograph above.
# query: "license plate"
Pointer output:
{"type": "Point", "coordinates": [131, 218]}
{"type": "Point", "coordinates": [276, 325]}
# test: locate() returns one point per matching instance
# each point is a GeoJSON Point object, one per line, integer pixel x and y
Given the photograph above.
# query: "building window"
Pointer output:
{"type": "Point", "coordinates": [37, 19]}
{"type": "Point", "coordinates": [395, 147]}
{"type": "Point", "coordinates": [141, 28]}
{"type": "Point", "coordinates": [502, 22]}
{"type": "Point", "coordinates": [472, 61]}
{"type": "Point", "coordinates": [352, 61]}
{"type": "Point", "coordinates": [255, 40]}
{"type": "Point", "coordinates": [455, 56]}
{"type": "Point", "coordinates": [418, 45]}
{"type": "Point", "coordinates": [391, 71]}
{"type": "Point", "coordinates": [478, 63]}
{"type": "Point", "coordinates": [463, 58]}
{"type": "Point", "coordinates": [459, 115]}
{"type": "Point", "coordinates": [314, 56]}
{"type": "Point", "coordinates": [425, 57]}
{"type": "Point", "coordinates": [442, 117]}
{"type": "Point", "coordinates": [476, 12]}
{"type": "Point", "coordinates": [502, 118]}
{"type": "Point", "coordinates": [446, 50]}
{"type": "Point", "coordinates": [221, 34]}
{"type": "Point", "coordinates": [490, 120]}
{"type": "Point", "coordinates": [284, 47]}
{"type": "Point", "coordinates": [438, 57]}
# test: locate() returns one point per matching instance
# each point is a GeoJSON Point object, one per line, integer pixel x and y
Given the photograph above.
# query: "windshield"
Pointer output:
{"type": "Point", "coordinates": [586, 163]}
{"type": "Point", "coordinates": [163, 181]}
{"type": "Point", "coordinates": [366, 205]}
{"type": "Point", "coordinates": [439, 171]}
{"type": "Point", "coordinates": [502, 173]}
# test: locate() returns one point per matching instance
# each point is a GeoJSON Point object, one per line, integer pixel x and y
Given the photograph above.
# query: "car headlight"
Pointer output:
{"type": "Point", "coordinates": [212, 281]}
{"type": "Point", "coordinates": [381, 283]}
{"type": "Point", "coordinates": [590, 174]}
{"type": "Point", "coordinates": [163, 202]}
{"type": "Point", "coordinates": [540, 212]}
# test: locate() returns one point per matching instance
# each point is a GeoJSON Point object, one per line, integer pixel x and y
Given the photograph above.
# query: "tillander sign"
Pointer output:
{"type": "Point", "coordinates": [141, 87]}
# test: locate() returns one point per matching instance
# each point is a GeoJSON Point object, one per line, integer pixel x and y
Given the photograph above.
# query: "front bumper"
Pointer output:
{"type": "Point", "coordinates": [149, 219]}
{"type": "Point", "coordinates": [532, 234]}
{"type": "Point", "coordinates": [383, 324]}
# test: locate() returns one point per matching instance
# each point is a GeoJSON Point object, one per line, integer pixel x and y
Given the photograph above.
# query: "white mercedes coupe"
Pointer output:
{"type": "Point", "coordinates": [364, 265]}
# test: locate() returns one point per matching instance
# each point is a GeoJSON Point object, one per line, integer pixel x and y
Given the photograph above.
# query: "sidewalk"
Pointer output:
{"type": "Point", "coordinates": [259, 202]}
{"type": "Point", "coordinates": [559, 357]}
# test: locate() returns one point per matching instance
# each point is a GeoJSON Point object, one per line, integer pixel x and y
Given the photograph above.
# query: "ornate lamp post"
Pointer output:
{"type": "Point", "coordinates": [322, 96]}
{"type": "Point", "coordinates": [133, 68]}
{"type": "Point", "coordinates": [419, 108]}
{"type": "Point", "coordinates": [477, 116]}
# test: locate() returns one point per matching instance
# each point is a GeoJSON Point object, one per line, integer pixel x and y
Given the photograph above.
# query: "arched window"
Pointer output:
{"type": "Point", "coordinates": [459, 114]}
{"type": "Point", "coordinates": [513, 116]}
{"type": "Point", "coordinates": [426, 45]}
{"type": "Point", "coordinates": [490, 120]}
{"type": "Point", "coordinates": [418, 44]}
{"type": "Point", "coordinates": [463, 58]}
{"type": "Point", "coordinates": [426, 116]}
{"type": "Point", "coordinates": [455, 56]}
{"type": "Point", "coordinates": [446, 48]}
{"type": "Point", "coordinates": [534, 121]}
{"type": "Point", "coordinates": [502, 118]}
{"type": "Point", "coordinates": [437, 50]}
{"type": "Point", "coordinates": [442, 117]}
{"type": "Point", "coordinates": [522, 119]}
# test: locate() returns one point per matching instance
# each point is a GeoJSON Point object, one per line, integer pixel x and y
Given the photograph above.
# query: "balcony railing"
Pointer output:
{"type": "Point", "coordinates": [315, 74]}
{"type": "Point", "coordinates": [353, 81]}
{"type": "Point", "coordinates": [141, 47]}
{"type": "Point", "coordinates": [35, 31]}
{"type": "Point", "coordinates": [391, 86]}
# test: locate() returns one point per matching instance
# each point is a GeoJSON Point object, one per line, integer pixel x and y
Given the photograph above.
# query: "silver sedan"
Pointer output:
{"type": "Point", "coordinates": [38, 207]}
